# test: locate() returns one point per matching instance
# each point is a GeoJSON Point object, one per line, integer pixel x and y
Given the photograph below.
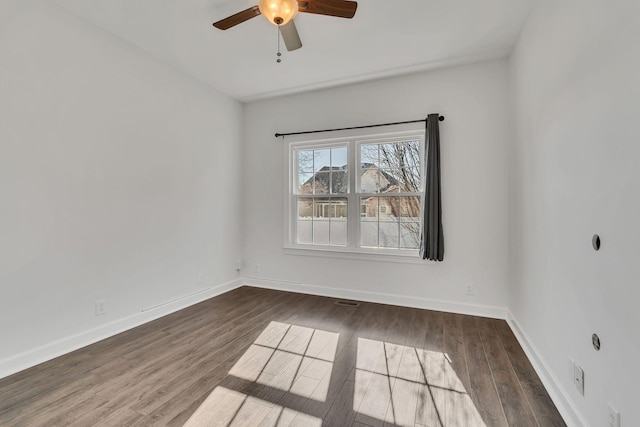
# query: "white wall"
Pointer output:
{"type": "Point", "coordinates": [119, 180]}
{"type": "Point", "coordinates": [576, 96]}
{"type": "Point", "coordinates": [474, 138]}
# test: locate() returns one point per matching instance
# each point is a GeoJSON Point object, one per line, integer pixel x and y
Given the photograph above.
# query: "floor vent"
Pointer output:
{"type": "Point", "coordinates": [348, 303]}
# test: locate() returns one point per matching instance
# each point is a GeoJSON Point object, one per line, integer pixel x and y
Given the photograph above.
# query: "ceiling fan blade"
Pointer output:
{"type": "Point", "coordinates": [339, 8]}
{"type": "Point", "coordinates": [290, 36]}
{"type": "Point", "coordinates": [238, 18]}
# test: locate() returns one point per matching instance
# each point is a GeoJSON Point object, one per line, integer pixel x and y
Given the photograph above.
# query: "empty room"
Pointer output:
{"type": "Point", "coordinates": [319, 213]}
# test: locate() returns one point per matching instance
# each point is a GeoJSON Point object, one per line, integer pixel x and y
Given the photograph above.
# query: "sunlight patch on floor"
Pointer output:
{"type": "Point", "coordinates": [407, 386]}
{"type": "Point", "coordinates": [224, 407]}
{"type": "Point", "coordinates": [291, 358]}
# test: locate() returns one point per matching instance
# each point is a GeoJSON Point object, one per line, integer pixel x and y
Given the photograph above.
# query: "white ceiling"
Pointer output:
{"type": "Point", "coordinates": [385, 38]}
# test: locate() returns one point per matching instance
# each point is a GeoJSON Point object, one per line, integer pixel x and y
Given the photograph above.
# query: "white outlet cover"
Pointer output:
{"type": "Point", "coordinates": [469, 289]}
{"type": "Point", "coordinates": [100, 310]}
{"type": "Point", "coordinates": [578, 375]}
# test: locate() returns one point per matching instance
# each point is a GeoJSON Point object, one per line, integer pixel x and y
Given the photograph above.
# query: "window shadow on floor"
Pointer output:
{"type": "Point", "coordinates": [287, 377]}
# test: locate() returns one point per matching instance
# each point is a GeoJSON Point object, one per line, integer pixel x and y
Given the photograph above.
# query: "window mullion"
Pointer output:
{"type": "Point", "coordinates": [293, 199]}
{"type": "Point", "coordinates": [353, 204]}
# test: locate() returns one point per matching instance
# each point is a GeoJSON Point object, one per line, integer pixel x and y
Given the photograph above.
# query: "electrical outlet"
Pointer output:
{"type": "Point", "coordinates": [257, 268]}
{"type": "Point", "coordinates": [239, 265]}
{"type": "Point", "coordinates": [578, 378]}
{"type": "Point", "coordinates": [100, 307]}
{"type": "Point", "coordinates": [469, 289]}
{"type": "Point", "coordinates": [614, 416]}
{"type": "Point", "coordinates": [200, 278]}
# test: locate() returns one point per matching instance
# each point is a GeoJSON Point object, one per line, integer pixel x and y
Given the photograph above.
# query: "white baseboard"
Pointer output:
{"type": "Point", "coordinates": [71, 343]}
{"type": "Point", "coordinates": [570, 413]}
{"type": "Point", "coordinates": [380, 298]}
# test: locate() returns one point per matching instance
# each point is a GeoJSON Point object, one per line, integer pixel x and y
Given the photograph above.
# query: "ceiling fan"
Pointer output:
{"type": "Point", "coordinates": [282, 12]}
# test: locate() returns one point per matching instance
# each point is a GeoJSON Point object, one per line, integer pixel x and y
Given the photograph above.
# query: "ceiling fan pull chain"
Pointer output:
{"type": "Point", "coordinates": [279, 54]}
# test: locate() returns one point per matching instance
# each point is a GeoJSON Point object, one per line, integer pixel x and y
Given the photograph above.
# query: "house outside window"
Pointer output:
{"type": "Point", "coordinates": [359, 194]}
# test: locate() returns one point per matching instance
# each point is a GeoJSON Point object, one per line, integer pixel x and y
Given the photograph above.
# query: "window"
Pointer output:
{"type": "Point", "coordinates": [360, 194]}
{"type": "Point", "coordinates": [321, 189]}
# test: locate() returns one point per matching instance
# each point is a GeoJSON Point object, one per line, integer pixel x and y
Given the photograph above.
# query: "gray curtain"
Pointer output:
{"type": "Point", "coordinates": [432, 238]}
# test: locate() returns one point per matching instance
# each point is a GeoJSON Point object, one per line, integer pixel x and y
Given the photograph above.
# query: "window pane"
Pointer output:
{"type": "Point", "coordinates": [305, 183]}
{"type": "Point", "coordinates": [304, 223]}
{"type": "Point", "coordinates": [321, 231]}
{"type": "Point", "coordinates": [304, 231]}
{"type": "Point", "coordinates": [339, 208]}
{"type": "Point", "coordinates": [339, 157]}
{"type": "Point", "coordinates": [369, 233]}
{"type": "Point", "coordinates": [397, 165]}
{"type": "Point", "coordinates": [322, 221]}
{"type": "Point", "coordinates": [322, 171]}
{"type": "Point", "coordinates": [339, 181]}
{"type": "Point", "coordinates": [409, 180]}
{"type": "Point", "coordinates": [369, 207]}
{"type": "Point", "coordinates": [369, 154]}
{"type": "Point", "coordinates": [369, 221]}
{"type": "Point", "coordinates": [338, 232]}
{"type": "Point", "coordinates": [389, 156]}
{"type": "Point", "coordinates": [388, 181]}
{"type": "Point", "coordinates": [321, 208]}
{"type": "Point", "coordinates": [389, 234]}
{"type": "Point", "coordinates": [412, 154]}
{"type": "Point", "coordinates": [409, 208]}
{"type": "Point", "coordinates": [305, 207]}
{"type": "Point", "coordinates": [388, 208]}
{"type": "Point", "coordinates": [321, 160]}
{"type": "Point", "coordinates": [410, 235]}
{"type": "Point", "coordinates": [321, 182]}
{"type": "Point", "coordinates": [325, 212]}
{"type": "Point", "coordinates": [305, 161]}
{"type": "Point", "coordinates": [369, 179]}
{"type": "Point", "coordinates": [397, 155]}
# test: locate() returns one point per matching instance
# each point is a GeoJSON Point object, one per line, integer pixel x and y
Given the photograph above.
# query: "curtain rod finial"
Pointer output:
{"type": "Point", "coordinates": [441, 118]}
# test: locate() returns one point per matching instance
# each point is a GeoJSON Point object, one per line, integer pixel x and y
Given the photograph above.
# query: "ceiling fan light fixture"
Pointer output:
{"type": "Point", "coordinates": [278, 12]}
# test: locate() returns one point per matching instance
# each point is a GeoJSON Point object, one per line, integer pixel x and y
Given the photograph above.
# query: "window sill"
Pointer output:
{"type": "Point", "coordinates": [406, 257]}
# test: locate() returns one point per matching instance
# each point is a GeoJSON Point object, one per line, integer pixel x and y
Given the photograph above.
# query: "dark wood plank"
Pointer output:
{"type": "Point", "coordinates": [543, 407]}
{"type": "Point", "coordinates": [454, 348]}
{"type": "Point", "coordinates": [514, 403]}
{"type": "Point", "coordinates": [482, 387]}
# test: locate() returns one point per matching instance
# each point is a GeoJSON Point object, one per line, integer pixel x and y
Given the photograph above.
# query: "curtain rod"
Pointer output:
{"type": "Point", "coordinates": [441, 118]}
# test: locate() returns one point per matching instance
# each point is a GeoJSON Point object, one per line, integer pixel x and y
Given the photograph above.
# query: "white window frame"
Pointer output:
{"type": "Point", "coordinates": [353, 141]}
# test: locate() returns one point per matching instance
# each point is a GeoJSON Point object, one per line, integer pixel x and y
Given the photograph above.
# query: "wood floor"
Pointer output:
{"type": "Point", "coordinates": [261, 357]}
